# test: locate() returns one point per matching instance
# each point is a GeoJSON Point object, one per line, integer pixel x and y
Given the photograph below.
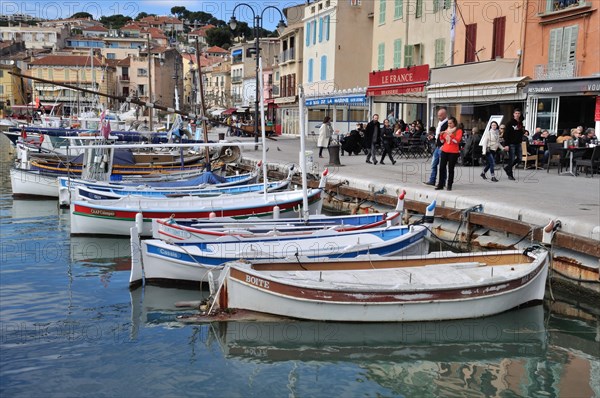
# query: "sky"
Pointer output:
{"type": "Point", "coordinates": [222, 9]}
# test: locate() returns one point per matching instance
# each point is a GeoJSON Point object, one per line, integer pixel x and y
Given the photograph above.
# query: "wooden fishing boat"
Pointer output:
{"type": "Point", "coordinates": [206, 183]}
{"type": "Point", "coordinates": [192, 262]}
{"type": "Point", "coordinates": [229, 230]}
{"type": "Point", "coordinates": [116, 217]}
{"type": "Point", "coordinates": [455, 286]}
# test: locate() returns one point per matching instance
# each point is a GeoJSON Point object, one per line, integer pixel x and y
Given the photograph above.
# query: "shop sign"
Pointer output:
{"type": "Point", "coordinates": [355, 99]}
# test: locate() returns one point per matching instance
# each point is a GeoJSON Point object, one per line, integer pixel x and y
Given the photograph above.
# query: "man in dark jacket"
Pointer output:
{"type": "Point", "coordinates": [513, 137]}
{"type": "Point", "coordinates": [372, 138]}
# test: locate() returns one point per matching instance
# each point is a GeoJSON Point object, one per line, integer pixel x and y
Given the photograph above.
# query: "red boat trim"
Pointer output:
{"type": "Point", "coordinates": [88, 211]}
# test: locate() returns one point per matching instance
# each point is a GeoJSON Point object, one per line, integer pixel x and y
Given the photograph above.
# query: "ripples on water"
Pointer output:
{"type": "Point", "coordinates": [71, 327]}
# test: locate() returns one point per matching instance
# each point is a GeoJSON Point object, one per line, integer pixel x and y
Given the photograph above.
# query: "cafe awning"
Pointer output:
{"type": "Point", "coordinates": [480, 82]}
{"type": "Point", "coordinates": [229, 111]}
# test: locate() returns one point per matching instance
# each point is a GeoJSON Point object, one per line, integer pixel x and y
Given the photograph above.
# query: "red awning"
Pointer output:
{"type": "Point", "coordinates": [229, 111]}
{"type": "Point", "coordinates": [396, 89]}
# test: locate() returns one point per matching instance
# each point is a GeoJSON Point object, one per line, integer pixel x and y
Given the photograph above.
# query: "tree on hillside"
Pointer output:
{"type": "Point", "coordinates": [143, 15]}
{"type": "Point", "coordinates": [220, 36]}
{"type": "Point", "coordinates": [82, 15]}
{"type": "Point", "coordinates": [115, 21]}
{"type": "Point", "coordinates": [179, 11]}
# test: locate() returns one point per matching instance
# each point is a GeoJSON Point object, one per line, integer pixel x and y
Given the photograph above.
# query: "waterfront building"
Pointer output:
{"type": "Point", "coordinates": [36, 37]}
{"type": "Point", "coordinates": [409, 38]}
{"type": "Point", "coordinates": [485, 78]}
{"type": "Point", "coordinates": [337, 61]}
{"type": "Point", "coordinates": [562, 55]}
{"type": "Point", "coordinates": [243, 69]}
{"type": "Point", "coordinates": [12, 88]}
{"type": "Point", "coordinates": [78, 70]}
{"type": "Point", "coordinates": [290, 71]}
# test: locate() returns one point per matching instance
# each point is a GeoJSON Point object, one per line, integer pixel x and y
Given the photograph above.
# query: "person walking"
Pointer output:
{"type": "Point", "coordinates": [513, 137]}
{"type": "Point", "coordinates": [325, 133]}
{"type": "Point", "coordinates": [387, 137]}
{"type": "Point", "coordinates": [490, 143]}
{"type": "Point", "coordinates": [372, 138]}
{"type": "Point", "coordinates": [442, 125]}
{"type": "Point", "coordinates": [450, 151]}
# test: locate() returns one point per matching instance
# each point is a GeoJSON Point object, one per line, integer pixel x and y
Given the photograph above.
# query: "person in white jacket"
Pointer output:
{"type": "Point", "coordinates": [325, 133]}
{"type": "Point", "coordinates": [490, 143]}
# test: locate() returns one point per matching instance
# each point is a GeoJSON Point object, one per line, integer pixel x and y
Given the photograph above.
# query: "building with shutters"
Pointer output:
{"type": "Point", "coordinates": [562, 55]}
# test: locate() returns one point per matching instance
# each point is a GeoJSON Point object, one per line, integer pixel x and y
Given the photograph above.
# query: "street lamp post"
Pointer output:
{"type": "Point", "coordinates": [257, 18]}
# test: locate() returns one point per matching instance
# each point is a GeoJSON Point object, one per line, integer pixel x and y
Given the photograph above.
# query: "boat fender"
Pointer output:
{"type": "Point", "coordinates": [276, 212]}
{"type": "Point", "coordinates": [429, 213]}
{"type": "Point", "coordinates": [212, 215]}
{"type": "Point", "coordinates": [549, 230]}
{"type": "Point", "coordinates": [139, 221]}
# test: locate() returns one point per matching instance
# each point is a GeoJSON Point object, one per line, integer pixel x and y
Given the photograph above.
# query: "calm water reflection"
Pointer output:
{"type": "Point", "coordinates": [71, 327]}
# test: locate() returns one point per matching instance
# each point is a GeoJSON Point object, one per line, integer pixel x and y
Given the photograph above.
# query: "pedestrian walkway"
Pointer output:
{"type": "Point", "coordinates": [534, 197]}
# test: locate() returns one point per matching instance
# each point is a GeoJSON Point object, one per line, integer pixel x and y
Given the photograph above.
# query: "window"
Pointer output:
{"type": "Point", "coordinates": [553, 5]}
{"type": "Point", "coordinates": [320, 30]}
{"type": "Point", "coordinates": [397, 53]}
{"type": "Point", "coordinates": [1, 89]}
{"type": "Point", "coordinates": [447, 4]}
{"type": "Point", "coordinates": [324, 67]}
{"type": "Point", "coordinates": [111, 56]}
{"type": "Point", "coordinates": [67, 77]}
{"type": "Point", "coordinates": [310, 70]}
{"type": "Point", "coordinates": [381, 56]}
{"type": "Point", "coordinates": [307, 34]}
{"type": "Point", "coordinates": [436, 5]}
{"type": "Point", "coordinates": [563, 43]}
{"type": "Point", "coordinates": [314, 32]}
{"type": "Point", "coordinates": [141, 89]}
{"type": "Point", "coordinates": [498, 38]}
{"type": "Point", "coordinates": [382, 7]}
{"type": "Point", "coordinates": [419, 9]}
{"type": "Point", "coordinates": [142, 72]}
{"type": "Point", "coordinates": [408, 55]}
{"type": "Point", "coordinates": [440, 49]}
{"type": "Point", "coordinates": [398, 8]}
{"type": "Point", "coordinates": [470, 40]}
{"type": "Point", "coordinates": [327, 24]}
{"type": "Point", "coordinates": [355, 3]}
{"type": "Point", "coordinates": [51, 74]}
{"type": "Point", "coordinates": [1, 74]}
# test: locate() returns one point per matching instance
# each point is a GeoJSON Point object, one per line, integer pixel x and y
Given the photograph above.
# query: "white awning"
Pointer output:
{"type": "Point", "coordinates": [489, 81]}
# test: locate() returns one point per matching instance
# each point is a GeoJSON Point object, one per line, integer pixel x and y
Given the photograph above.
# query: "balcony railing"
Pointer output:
{"type": "Point", "coordinates": [124, 78]}
{"type": "Point", "coordinates": [236, 79]}
{"type": "Point", "coordinates": [287, 55]}
{"type": "Point", "coordinates": [558, 70]}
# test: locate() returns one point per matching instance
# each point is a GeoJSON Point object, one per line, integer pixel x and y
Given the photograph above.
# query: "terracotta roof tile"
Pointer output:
{"type": "Point", "coordinates": [66, 60]}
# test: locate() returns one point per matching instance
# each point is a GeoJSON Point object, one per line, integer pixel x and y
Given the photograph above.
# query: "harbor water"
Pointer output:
{"type": "Point", "coordinates": [70, 327]}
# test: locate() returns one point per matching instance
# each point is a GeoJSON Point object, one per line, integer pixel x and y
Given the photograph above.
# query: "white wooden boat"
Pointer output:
{"type": "Point", "coordinates": [157, 261]}
{"type": "Point", "coordinates": [27, 183]}
{"type": "Point", "coordinates": [458, 286]}
{"type": "Point", "coordinates": [252, 229]}
{"type": "Point", "coordinates": [116, 217]}
{"type": "Point", "coordinates": [167, 185]}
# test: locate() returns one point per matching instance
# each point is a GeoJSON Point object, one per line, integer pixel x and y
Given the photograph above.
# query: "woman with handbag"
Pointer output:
{"type": "Point", "coordinates": [490, 143]}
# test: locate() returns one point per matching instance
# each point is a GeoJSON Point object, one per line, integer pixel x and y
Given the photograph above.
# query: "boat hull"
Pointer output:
{"type": "Point", "coordinates": [253, 291]}
{"type": "Point", "coordinates": [32, 184]}
{"type": "Point", "coordinates": [176, 263]}
{"type": "Point", "coordinates": [95, 218]}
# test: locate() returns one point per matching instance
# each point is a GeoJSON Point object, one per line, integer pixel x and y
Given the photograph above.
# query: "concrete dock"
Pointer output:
{"type": "Point", "coordinates": [535, 197]}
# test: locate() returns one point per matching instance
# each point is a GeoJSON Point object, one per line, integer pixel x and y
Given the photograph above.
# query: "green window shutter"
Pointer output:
{"type": "Point", "coordinates": [398, 8]}
{"type": "Point", "coordinates": [381, 56]}
{"type": "Point", "coordinates": [382, 7]}
{"type": "Point", "coordinates": [408, 55]}
{"type": "Point", "coordinates": [440, 48]}
{"type": "Point", "coordinates": [397, 53]}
